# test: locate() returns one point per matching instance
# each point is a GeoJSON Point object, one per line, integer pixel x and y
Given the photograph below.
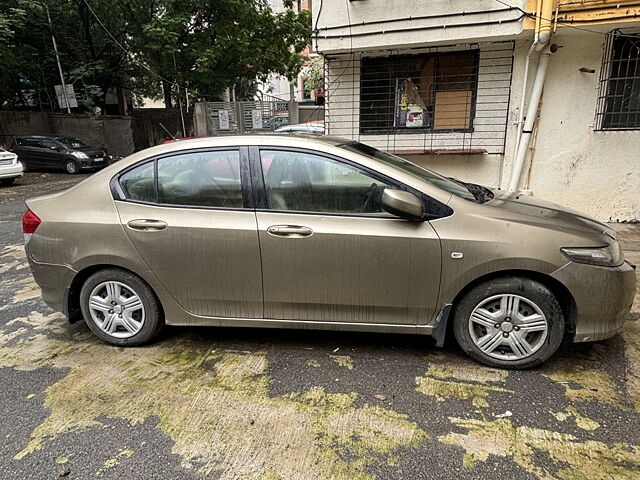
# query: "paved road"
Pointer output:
{"type": "Point", "coordinates": [266, 404]}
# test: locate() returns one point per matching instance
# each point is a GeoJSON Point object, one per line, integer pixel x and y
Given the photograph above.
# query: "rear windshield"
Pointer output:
{"type": "Point", "coordinates": [71, 142]}
{"type": "Point", "coordinates": [406, 166]}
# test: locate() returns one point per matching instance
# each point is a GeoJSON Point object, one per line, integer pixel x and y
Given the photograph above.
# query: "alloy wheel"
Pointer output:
{"type": "Point", "coordinates": [71, 167]}
{"type": "Point", "coordinates": [116, 309]}
{"type": "Point", "coordinates": [508, 327]}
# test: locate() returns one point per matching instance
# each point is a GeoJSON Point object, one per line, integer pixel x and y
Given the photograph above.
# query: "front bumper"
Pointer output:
{"type": "Point", "coordinates": [53, 280]}
{"type": "Point", "coordinates": [603, 297]}
{"type": "Point", "coordinates": [91, 165]}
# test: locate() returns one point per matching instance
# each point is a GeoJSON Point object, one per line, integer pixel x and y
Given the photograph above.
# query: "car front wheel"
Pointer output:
{"type": "Point", "coordinates": [120, 308]}
{"type": "Point", "coordinates": [71, 167]}
{"type": "Point", "coordinates": [509, 322]}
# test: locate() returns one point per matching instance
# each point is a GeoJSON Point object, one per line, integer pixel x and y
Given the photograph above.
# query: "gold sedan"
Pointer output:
{"type": "Point", "coordinates": [322, 233]}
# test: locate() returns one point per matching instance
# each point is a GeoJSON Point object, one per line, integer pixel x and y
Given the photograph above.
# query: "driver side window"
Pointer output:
{"type": "Point", "coordinates": [304, 182]}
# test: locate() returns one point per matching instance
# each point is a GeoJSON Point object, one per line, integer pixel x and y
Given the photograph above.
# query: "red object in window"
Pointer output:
{"type": "Point", "coordinates": [171, 140]}
{"type": "Point", "coordinates": [30, 222]}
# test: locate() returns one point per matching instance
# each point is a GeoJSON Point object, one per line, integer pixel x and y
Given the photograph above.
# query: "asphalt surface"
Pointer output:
{"type": "Point", "coordinates": [266, 404]}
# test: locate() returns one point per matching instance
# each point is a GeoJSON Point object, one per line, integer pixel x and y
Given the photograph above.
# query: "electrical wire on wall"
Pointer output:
{"type": "Point", "coordinates": [575, 27]}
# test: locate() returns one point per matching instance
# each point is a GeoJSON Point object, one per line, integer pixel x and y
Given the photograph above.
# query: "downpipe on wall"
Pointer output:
{"type": "Point", "coordinates": [532, 110]}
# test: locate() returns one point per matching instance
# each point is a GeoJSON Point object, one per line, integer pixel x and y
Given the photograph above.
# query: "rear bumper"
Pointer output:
{"type": "Point", "coordinates": [53, 280]}
{"type": "Point", "coordinates": [603, 297]}
{"type": "Point", "coordinates": [11, 171]}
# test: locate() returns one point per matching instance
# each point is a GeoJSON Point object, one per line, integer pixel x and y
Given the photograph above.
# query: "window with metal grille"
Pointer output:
{"type": "Point", "coordinates": [619, 94]}
{"type": "Point", "coordinates": [434, 91]}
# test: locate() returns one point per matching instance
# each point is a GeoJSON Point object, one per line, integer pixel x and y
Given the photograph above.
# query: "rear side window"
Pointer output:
{"type": "Point", "coordinates": [139, 184]}
{"type": "Point", "coordinates": [27, 142]}
{"type": "Point", "coordinates": [202, 179]}
{"type": "Point", "coordinates": [208, 179]}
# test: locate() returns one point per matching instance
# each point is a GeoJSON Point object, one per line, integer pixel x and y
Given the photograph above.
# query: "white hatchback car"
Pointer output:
{"type": "Point", "coordinates": [10, 167]}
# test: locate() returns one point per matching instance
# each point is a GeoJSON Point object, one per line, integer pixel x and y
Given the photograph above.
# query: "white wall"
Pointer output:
{"type": "Point", "coordinates": [597, 172]}
{"type": "Point", "coordinates": [438, 29]}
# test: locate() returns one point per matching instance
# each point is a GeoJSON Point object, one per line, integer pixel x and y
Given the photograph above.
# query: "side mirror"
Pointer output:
{"type": "Point", "coordinates": [402, 204]}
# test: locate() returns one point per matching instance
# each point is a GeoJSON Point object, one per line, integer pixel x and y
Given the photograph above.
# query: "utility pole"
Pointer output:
{"type": "Point", "coordinates": [55, 49]}
{"type": "Point", "coordinates": [175, 68]}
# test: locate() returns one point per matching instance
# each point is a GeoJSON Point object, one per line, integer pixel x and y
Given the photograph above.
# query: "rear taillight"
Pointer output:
{"type": "Point", "coordinates": [30, 222]}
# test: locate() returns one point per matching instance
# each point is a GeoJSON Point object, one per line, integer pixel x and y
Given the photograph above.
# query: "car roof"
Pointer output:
{"type": "Point", "coordinates": [274, 139]}
{"type": "Point", "coordinates": [36, 136]}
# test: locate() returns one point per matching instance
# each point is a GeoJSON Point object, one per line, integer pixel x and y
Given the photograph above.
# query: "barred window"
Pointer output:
{"type": "Point", "coordinates": [435, 92]}
{"type": "Point", "coordinates": [619, 94]}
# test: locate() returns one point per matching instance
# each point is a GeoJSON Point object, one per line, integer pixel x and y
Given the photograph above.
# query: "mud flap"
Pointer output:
{"type": "Point", "coordinates": [440, 326]}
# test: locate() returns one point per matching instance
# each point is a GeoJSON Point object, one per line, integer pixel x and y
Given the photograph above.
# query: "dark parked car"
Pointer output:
{"type": "Point", "coordinates": [52, 151]}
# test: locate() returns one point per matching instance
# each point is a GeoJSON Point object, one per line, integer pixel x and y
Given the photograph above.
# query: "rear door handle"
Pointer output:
{"type": "Point", "coordinates": [290, 231]}
{"type": "Point", "coordinates": [147, 224]}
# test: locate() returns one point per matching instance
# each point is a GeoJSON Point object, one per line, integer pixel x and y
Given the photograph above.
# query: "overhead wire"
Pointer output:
{"type": "Point", "coordinates": [129, 54]}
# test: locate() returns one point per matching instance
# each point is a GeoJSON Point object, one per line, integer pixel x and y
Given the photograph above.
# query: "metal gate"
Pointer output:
{"type": "Point", "coordinates": [255, 116]}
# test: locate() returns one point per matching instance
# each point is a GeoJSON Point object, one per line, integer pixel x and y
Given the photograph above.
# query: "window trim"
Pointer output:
{"type": "Point", "coordinates": [260, 191]}
{"type": "Point", "coordinates": [605, 82]}
{"type": "Point", "coordinates": [245, 185]}
{"type": "Point", "coordinates": [393, 130]}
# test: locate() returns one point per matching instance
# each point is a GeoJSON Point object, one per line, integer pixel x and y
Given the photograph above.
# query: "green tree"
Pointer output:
{"type": "Point", "coordinates": [205, 45]}
{"type": "Point", "coordinates": [212, 45]}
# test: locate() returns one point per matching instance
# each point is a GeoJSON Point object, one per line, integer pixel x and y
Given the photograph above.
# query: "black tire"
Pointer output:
{"type": "Point", "coordinates": [71, 167]}
{"type": "Point", "coordinates": [6, 182]}
{"type": "Point", "coordinates": [154, 317]}
{"type": "Point", "coordinates": [25, 167]}
{"type": "Point", "coordinates": [526, 288]}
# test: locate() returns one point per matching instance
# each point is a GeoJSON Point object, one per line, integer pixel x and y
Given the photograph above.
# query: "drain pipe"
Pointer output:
{"type": "Point", "coordinates": [544, 12]}
{"type": "Point", "coordinates": [534, 45]}
{"type": "Point", "coordinates": [527, 130]}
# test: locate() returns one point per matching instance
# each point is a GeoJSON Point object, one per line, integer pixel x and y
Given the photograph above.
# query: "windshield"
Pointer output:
{"type": "Point", "coordinates": [72, 142]}
{"type": "Point", "coordinates": [454, 187]}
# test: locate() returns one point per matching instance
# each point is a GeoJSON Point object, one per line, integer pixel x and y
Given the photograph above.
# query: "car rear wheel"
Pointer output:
{"type": "Point", "coordinates": [71, 167]}
{"type": "Point", "coordinates": [120, 308]}
{"type": "Point", "coordinates": [7, 181]}
{"type": "Point", "coordinates": [510, 322]}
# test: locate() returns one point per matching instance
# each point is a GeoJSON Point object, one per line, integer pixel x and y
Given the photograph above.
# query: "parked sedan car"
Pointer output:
{"type": "Point", "coordinates": [311, 128]}
{"type": "Point", "coordinates": [52, 151]}
{"type": "Point", "coordinates": [323, 233]}
{"type": "Point", "coordinates": [10, 168]}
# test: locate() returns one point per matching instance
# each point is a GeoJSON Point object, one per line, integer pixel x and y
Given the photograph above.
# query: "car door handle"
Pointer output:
{"type": "Point", "coordinates": [147, 225]}
{"type": "Point", "coordinates": [291, 231]}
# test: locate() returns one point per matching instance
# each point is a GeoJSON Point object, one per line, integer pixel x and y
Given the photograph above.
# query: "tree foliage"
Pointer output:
{"type": "Point", "coordinates": [203, 45]}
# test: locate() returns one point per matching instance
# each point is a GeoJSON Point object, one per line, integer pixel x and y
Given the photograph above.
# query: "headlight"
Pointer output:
{"type": "Point", "coordinates": [80, 155]}
{"type": "Point", "coordinates": [609, 256]}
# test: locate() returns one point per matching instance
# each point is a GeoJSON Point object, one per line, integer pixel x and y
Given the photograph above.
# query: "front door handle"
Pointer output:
{"type": "Point", "coordinates": [290, 231]}
{"type": "Point", "coordinates": [147, 225]}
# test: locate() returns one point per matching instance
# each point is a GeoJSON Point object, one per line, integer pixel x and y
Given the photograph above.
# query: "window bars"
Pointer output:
{"type": "Point", "coordinates": [618, 106]}
{"type": "Point", "coordinates": [440, 100]}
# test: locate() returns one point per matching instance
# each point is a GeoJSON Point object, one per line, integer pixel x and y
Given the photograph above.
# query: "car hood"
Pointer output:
{"type": "Point", "coordinates": [88, 150]}
{"type": "Point", "coordinates": [541, 213]}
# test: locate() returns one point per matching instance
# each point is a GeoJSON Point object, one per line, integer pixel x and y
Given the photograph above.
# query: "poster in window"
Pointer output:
{"type": "Point", "coordinates": [410, 108]}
